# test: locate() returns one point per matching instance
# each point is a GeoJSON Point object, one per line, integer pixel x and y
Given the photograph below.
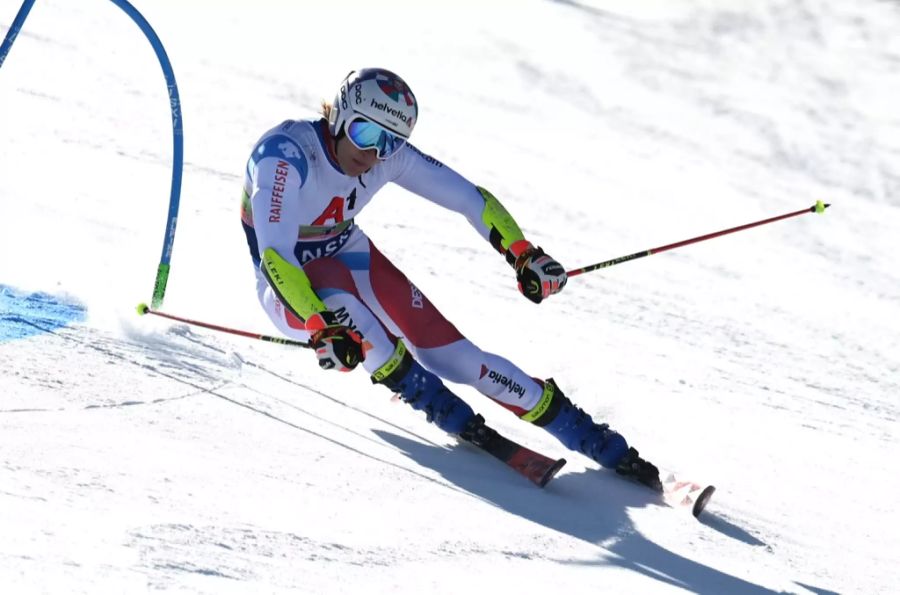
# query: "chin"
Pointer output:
{"type": "Point", "coordinates": [360, 170]}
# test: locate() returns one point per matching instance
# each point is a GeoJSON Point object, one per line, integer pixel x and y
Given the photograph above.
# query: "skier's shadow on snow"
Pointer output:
{"type": "Point", "coordinates": [574, 504]}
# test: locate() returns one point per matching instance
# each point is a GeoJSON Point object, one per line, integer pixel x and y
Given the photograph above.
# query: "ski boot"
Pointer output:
{"type": "Point", "coordinates": [636, 468]}
{"type": "Point", "coordinates": [575, 428]}
{"type": "Point", "coordinates": [424, 391]}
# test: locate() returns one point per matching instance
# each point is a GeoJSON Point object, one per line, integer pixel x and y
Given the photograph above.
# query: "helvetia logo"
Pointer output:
{"type": "Point", "coordinates": [394, 112]}
{"type": "Point", "coordinates": [511, 386]}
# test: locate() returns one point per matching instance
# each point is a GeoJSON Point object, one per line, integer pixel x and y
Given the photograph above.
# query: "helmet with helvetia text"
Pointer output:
{"type": "Point", "coordinates": [377, 95]}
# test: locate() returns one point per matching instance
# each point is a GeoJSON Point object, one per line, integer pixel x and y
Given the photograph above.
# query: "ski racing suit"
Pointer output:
{"type": "Point", "coordinates": [298, 210]}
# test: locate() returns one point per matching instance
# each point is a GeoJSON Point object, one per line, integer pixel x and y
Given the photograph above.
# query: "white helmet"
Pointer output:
{"type": "Point", "coordinates": [377, 95]}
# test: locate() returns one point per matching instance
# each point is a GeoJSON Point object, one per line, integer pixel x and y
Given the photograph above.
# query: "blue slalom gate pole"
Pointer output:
{"type": "Point", "coordinates": [13, 32]}
{"type": "Point", "coordinates": [162, 271]}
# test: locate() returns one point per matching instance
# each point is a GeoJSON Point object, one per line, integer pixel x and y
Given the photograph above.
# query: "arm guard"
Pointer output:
{"type": "Point", "coordinates": [291, 285]}
{"type": "Point", "coordinates": [505, 235]}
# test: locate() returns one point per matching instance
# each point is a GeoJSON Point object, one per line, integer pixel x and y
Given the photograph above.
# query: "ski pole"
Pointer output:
{"type": "Point", "coordinates": [145, 309]}
{"type": "Point", "coordinates": [819, 207]}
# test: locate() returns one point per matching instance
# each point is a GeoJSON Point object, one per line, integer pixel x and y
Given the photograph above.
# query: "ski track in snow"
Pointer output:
{"type": "Point", "coordinates": [139, 456]}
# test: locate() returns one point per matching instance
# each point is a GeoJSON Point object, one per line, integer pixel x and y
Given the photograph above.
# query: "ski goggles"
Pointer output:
{"type": "Point", "coordinates": [367, 135]}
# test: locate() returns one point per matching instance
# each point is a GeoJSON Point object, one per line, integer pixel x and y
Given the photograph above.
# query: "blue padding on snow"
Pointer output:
{"type": "Point", "coordinates": [25, 314]}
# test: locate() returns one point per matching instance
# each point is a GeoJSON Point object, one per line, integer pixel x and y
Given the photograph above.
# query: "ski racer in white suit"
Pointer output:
{"type": "Point", "coordinates": [320, 278]}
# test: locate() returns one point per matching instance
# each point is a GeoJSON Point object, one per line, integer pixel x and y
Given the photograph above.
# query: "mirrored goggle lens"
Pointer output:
{"type": "Point", "coordinates": [368, 135]}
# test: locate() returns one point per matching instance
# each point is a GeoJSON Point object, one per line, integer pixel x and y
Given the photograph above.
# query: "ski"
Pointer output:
{"type": "Point", "coordinates": [675, 491]}
{"type": "Point", "coordinates": [532, 465]}
{"type": "Point", "coordinates": [679, 493]}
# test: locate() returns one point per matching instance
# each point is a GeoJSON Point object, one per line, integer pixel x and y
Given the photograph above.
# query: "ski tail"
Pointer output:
{"type": "Point", "coordinates": [534, 466]}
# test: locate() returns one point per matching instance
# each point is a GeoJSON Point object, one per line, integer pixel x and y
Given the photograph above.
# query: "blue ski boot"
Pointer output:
{"type": "Point", "coordinates": [575, 428]}
{"type": "Point", "coordinates": [424, 391]}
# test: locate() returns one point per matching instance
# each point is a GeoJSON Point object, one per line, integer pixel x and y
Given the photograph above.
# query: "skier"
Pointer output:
{"type": "Point", "coordinates": [320, 278]}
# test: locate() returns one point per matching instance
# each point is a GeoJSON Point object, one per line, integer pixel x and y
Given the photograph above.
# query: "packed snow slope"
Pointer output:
{"type": "Point", "coordinates": [138, 455]}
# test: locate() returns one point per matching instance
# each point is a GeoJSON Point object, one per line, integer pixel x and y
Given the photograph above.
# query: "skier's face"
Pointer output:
{"type": "Point", "coordinates": [353, 161]}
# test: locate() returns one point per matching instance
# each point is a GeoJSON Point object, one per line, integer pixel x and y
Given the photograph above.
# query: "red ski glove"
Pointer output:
{"type": "Point", "coordinates": [337, 346]}
{"type": "Point", "coordinates": [539, 276]}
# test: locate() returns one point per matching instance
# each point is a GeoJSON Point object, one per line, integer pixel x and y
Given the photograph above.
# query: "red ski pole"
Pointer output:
{"type": "Point", "coordinates": [819, 207]}
{"type": "Point", "coordinates": [145, 309]}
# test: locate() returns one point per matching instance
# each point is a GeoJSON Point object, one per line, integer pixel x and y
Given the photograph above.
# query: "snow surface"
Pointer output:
{"type": "Point", "coordinates": [138, 455]}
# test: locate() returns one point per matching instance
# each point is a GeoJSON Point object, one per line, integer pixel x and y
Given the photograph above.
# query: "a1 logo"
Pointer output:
{"type": "Point", "coordinates": [335, 209]}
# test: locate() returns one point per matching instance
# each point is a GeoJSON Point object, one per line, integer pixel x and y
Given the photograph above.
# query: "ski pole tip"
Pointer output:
{"type": "Point", "coordinates": [142, 309]}
{"type": "Point", "coordinates": [821, 206]}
